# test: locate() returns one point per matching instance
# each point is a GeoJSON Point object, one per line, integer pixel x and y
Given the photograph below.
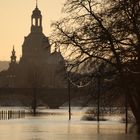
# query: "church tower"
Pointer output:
{"type": "Point", "coordinates": [36, 20]}
{"type": "Point", "coordinates": [13, 57]}
{"type": "Point", "coordinates": [36, 47]}
{"type": "Point", "coordinates": [12, 65]}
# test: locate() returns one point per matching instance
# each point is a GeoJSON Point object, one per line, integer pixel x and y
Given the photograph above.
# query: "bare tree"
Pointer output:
{"type": "Point", "coordinates": [108, 32]}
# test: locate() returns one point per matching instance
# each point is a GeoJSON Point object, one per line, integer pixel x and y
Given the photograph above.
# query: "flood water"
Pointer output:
{"type": "Point", "coordinates": [57, 127]}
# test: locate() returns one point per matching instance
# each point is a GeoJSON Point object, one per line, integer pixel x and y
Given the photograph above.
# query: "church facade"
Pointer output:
{"type": "Point", "coordinates": [38, 66]}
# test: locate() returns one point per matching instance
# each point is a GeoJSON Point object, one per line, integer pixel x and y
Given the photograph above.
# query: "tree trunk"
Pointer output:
{"type": "Point", "coordinates": [131, 85]}
{"type": "Point", "coordinates": [134, 91]}
{"type": "Point", "coordinates": [135, 106]}
{"type": "Point", "coordinates": [136, 96]}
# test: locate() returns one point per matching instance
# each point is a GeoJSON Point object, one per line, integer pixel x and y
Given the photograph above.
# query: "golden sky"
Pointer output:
{"type": "Point", "coordinates": [15, 22]}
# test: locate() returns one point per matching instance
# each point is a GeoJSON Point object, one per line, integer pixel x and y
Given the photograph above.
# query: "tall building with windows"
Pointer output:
{"type": "Point", "coordinates": [37, 66]}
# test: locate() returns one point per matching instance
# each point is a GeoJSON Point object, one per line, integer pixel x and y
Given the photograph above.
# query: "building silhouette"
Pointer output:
{"type": "Point", "coordinates": [38, 66]}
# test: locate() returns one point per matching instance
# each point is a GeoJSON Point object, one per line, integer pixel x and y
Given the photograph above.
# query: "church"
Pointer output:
{"type": "Point", "coordinates": [38, 66]}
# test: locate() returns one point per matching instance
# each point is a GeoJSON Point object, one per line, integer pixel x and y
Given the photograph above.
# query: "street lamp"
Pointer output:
{"type": "Point", "coordinates": [69, 96]}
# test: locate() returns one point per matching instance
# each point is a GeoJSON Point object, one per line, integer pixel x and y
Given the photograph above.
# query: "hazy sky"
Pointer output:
{"type": "Point", "coordinates": [15, 22]}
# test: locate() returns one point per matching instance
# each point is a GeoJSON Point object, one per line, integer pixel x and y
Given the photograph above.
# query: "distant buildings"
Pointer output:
{"type": "Point", "coordinates": [37, 67]}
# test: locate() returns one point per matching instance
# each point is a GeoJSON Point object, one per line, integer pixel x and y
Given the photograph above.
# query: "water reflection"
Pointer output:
{"type": "Point", "coordinates": [35, 139]}
{"type": "Point", "coordinates": [11, 114]}
{"type": "Point", "coordinates": [134, 129]}
{"type": "Point", "coordinates": [98, 128]}
{"type": "Point", "coordinates": [57, 127]}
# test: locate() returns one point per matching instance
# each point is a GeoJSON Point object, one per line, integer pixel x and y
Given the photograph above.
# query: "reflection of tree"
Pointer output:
{"type": "Point", "coordinates": [35, 81]}
{"type": "Point", "coordinates": [109, 33]}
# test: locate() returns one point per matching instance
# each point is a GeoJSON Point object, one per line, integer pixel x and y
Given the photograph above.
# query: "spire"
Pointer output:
{"type": "Point", "coordinates": [36, 20]}
{"type": "Point", "coordinates": [13, 56]}
{"type": "Point", "coordinates": [13, 52]}
{"type": "Point", "coordinates": [36, 3]}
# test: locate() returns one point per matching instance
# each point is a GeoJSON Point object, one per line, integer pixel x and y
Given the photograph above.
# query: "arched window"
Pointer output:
{"type": "Point", "coordinates": [34, 21]}
{"type": "Point", "coordinates": [38, 21]}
